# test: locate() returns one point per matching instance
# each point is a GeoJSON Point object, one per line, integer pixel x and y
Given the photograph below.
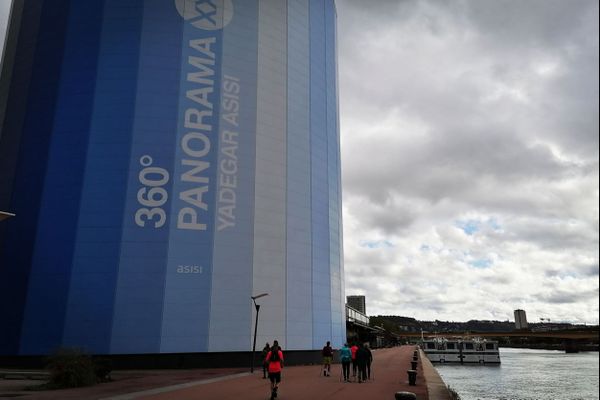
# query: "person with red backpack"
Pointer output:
{"type": "Point", "coordinates": [327, 354]}
{"type": "Point", "coordinates": [275, 360]}
{"type": "Point", "coordinates": [354, 349]}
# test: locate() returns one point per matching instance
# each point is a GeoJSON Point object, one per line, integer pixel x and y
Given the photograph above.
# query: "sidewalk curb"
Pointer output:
{"type": "Point", "coordinates": [436, 388]}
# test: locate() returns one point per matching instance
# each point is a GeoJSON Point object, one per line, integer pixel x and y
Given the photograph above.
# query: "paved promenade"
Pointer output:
{"type": "Point", "coordinates": [298, 383]}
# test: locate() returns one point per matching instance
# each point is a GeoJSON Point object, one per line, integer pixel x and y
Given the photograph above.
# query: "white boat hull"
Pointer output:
{"type": "Point", "coordinates": [462, 352]}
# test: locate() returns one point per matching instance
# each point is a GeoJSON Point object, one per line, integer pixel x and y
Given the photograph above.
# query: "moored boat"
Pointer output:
{"type": "Point", "coordinates": [463, 351]}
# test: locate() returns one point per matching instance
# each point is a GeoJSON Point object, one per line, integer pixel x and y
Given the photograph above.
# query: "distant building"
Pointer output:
{"type": "Point", "coordinates": [520, 320]}
{"type": "Point", "coordinates": [357, 302]}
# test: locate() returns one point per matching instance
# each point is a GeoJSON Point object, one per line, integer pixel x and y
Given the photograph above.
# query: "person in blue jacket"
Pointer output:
{"type": "Point", "coordinates": [346, 359]}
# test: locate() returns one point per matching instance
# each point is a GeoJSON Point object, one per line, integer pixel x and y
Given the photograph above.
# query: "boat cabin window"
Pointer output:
{"type": "Point", "coordinates": [489, 346]}
{"type": "Point", "coordinates": [469, 346]}
{"type": "Point", "coordinates": [431, 345]}
{"type": "Point", "coordinates": [450, 346]}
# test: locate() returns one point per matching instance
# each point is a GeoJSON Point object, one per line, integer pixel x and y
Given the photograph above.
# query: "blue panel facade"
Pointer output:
{"type": "Point", "coordinates": [28, 185]}
{"type": "Point", "coordinates": [98, 244]}
{"type": "Point", "coordinates": [299, 252]}
{"type": "Point", "coordinates": [234, 226]}
{"type": "Point", "coordinates": [333, 167]}
{"type": "Point", "coordinates": [136, 326]}
{"type": "Point", "coordinates": [58, 212]}
{"type": "Point", "coordinates": [321, 292]}
{"type": "Point", "coordinates": [13, 285]}
{"type": "Point", "coordinates": [168, 159]}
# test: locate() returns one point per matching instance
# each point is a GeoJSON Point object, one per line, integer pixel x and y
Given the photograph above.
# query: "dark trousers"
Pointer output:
{"type": "Point", "coordinates": [346, 369]}
{"type": "Point", "coordinates": [265, 365]}
{"type": "Point", "coordinates": [354, 366]}
{"type": "Point", "coordinates": [369, 370]}
{"type": "Point", "coordinates": [362, 371]}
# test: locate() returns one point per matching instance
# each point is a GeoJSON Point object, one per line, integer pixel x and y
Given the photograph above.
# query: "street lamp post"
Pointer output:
{"type": "Point", "coordinates": [257, 306]}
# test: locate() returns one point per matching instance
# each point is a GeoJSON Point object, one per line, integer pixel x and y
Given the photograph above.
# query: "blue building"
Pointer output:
{"type": "Point", "coordinates": [166, 160]}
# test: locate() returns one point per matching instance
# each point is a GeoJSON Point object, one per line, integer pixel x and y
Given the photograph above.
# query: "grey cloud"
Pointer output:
{"type": "Point", "coordinates": [589, 270]}
{"type": "Point", "coordinates": [458, 167]}
{"type": "Point", "coordinates": [582, 271]}
{"type": "Point", "coordinates": [4, 11]}
{"type": "Point", "coordinates": [569, 297]}
{"type": "Point", "coordinates": [540, 23]}
{"type": "Point", "coordinates": [390, 220]}
{"type": "Point", "coordinates": [552, 234]}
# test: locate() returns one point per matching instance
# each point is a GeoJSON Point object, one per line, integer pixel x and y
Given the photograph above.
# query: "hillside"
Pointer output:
{"type": "Point", "coordinates": [400, 324]}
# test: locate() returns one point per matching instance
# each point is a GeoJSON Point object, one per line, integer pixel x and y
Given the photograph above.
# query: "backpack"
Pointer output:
{"type": "Point", "coordinates": [346, 355]}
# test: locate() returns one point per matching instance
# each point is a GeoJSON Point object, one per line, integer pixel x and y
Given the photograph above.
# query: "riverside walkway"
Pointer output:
{"type": "Point", "coordinates": [298, 383]}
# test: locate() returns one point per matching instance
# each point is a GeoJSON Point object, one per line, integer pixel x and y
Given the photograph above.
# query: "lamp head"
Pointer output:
{"type": "Point", "coordinates": [258, 296]}
{"type": "Point", "coordinates": [5, 215]}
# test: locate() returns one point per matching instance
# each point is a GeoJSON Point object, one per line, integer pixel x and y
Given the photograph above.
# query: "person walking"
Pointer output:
{"type": "Point", "coordinates": [362, 355]}
{"type": "Point", "coordinates": [327, 354]}
{"type": "Point", "coordinates": [346, 359]}
{"type": "Point", "coordinates": [265, 365]}
{"type": "Point", "coordinates": [369, 360]}
{"type": "Point", "coordinates": [353, 349]}
{"type": "Point", "coordinates": [275, 361]}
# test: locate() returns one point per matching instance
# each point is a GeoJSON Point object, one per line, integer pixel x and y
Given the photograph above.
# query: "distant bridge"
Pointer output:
{"type": "Point", "coordinates": [558, 334]}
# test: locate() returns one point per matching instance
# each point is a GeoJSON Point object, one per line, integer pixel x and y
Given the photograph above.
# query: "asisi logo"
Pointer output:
{"type": "Point", "coordinates": [209, 15]}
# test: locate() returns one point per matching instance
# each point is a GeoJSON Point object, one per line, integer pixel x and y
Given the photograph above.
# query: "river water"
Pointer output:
{"type": "Point", "coordinates": [526, 374]}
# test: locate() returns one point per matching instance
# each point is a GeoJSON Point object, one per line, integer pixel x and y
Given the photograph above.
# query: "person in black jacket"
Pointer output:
{"type": "Point", "coordinates": [369, 360]}
{"type": "Point", "coordinates": [327, 354]}
{"type": "Point", "coordinates": [362, 356]}
{"type": "Point", "coordinates": [265, 351]}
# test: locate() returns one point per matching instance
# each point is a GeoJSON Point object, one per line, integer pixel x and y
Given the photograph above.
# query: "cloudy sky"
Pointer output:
{"type": "Point", "coordinates": [4, 8]}
{"type": "Point", "coordinates": [470, 157]}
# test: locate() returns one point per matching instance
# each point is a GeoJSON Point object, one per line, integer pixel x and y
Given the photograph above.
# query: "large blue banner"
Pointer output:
{"type": "Point", "coordinates": [189, 264]}
{"type": "Point", "coordinates": [189, 159]}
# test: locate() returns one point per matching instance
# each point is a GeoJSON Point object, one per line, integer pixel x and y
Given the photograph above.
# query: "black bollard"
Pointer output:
{"type": "Point", "coordinates": [415, 358]}
{"type": "Point", "coordinates": [405, 396]}
{"type": "Point", "coordinates": [413, 365]}
{"type": "Point", "coordinates": [412, 377]}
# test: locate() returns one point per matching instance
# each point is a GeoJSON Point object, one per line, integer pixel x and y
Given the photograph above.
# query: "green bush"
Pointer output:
{"type": "Point", "coordinates": [102, 369]}
{"type": "Point", "coordinates": [70, 367]}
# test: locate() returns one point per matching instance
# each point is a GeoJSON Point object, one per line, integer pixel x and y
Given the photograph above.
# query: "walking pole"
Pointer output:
{"type": "Point", "coordinates": [372, 372]}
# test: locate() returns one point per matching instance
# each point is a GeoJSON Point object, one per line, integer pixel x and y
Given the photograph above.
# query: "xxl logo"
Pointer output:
{"type": "Point", "coordinates": [206, 14]}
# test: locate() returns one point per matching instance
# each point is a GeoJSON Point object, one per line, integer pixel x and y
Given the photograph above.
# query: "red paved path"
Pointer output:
{"type": "Point", "coordinates": [306, 382]}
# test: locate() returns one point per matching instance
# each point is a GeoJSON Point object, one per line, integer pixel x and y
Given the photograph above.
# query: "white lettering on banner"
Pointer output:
{"type": "Point", "coordinates": [152, 196]}
{"type": "Point", "coordinates": [228, 165]}
{"type": "Point", "coordinates": [189, 269]}
{"type": "Point", "coordinates": [196, 142]}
